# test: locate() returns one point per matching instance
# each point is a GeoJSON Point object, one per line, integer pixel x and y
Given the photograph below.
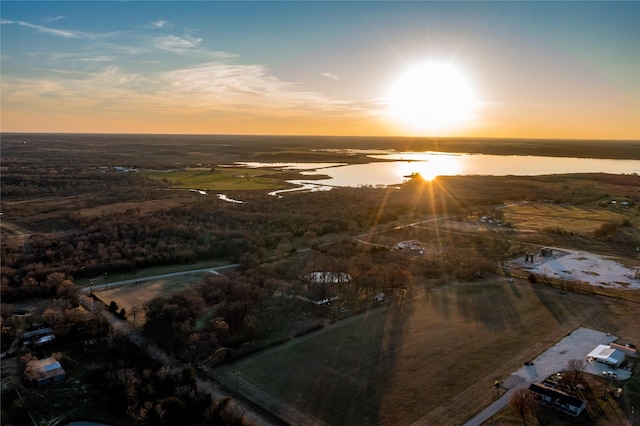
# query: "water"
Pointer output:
{"type": "Point", "coordinates": [431, 164]}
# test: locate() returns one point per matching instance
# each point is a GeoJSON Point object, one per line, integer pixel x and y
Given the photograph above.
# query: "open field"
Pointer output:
{"type": "Point", "coordinates": [578, 219]}
{"type": "Point", "coordinates": [430, 361]}
{"type": "Point", "coordinates": [135, 296]}
{"type": "Point", "coordinates": [222, 179]}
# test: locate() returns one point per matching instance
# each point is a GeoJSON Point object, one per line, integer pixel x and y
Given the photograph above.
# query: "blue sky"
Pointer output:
{"type": "Point", "coordinates": [538, 69]}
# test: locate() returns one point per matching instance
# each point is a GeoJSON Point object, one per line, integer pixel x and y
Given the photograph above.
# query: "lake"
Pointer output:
{"type": "Point", "coordinates": [399, 166]}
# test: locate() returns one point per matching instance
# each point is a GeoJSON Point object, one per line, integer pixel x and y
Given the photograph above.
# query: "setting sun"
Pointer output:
{"type": "Point", "coordinates": [432, 98]}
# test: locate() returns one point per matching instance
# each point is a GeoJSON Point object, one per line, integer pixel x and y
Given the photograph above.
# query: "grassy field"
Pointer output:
{"type": "Point", "coordinates": [156, 270]}
{"type": "Point", "coordinates": [222, 179]}
{"type": "Point", "coordinates": [540, 216]}
{"type": "Point", "coordinates": [432, 360]}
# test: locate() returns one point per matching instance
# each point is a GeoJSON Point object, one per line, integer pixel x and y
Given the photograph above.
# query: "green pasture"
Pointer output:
{"type": "Point", "coordinates": [432, 360]}
{"type": "Point", "coordinates": [221, 179]}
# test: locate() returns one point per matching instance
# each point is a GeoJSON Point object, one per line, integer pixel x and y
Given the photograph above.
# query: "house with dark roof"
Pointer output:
{"type": "Point", "coordinates": [559, 400]}
{"type": "Point", "coordinates": [38, 337]}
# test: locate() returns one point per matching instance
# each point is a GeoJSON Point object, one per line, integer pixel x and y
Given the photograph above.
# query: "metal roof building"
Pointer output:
{"type": "Point", "coordinates": [605, 354]}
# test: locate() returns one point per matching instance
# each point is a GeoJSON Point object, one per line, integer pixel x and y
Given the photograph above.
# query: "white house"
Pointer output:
{"type": "Point", "coordinates": [408, 244]}
{"type": "Point", "coordinates": [605, 354]}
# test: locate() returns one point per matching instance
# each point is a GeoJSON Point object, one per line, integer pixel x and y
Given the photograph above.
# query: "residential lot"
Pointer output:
{"type": "Point", "coordinates": [553, 361]}
{"type": "Point", "coordinates": [432, 360]}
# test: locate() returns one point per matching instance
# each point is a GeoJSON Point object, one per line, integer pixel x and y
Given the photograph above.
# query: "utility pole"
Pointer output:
{"type": "Point", "coordinates": [236, 373]}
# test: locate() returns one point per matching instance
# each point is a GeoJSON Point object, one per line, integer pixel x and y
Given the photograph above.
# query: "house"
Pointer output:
{"type": "Point", "coordinates": [328, 277]}
{"type": "Point", "coordinates": [605, 354]}
{"type": "Point", "coordinates": [408, 244]}
{"type": "Point", "coordinates": [38, 337]}
{"type": "Point", "coordinates": [43, 371]}
{"type": "Point", "coordinates": [558, 400]}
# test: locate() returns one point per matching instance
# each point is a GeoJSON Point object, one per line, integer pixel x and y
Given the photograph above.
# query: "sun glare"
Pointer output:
{"type": "Point", "coordinates": [432, 99]}
{"type": "Point", "coordinates": [436, 165]}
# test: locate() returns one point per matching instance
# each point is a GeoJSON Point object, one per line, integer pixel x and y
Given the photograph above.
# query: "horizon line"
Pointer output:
{"type": "Point", "coordinates": [325, 136]}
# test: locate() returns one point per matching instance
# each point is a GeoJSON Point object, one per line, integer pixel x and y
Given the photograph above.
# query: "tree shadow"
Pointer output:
{"type": "Point", "coordinates": [488, 305]}
{"type": "Point", "coordinates": [550, 300]}
{"type": "Point", "coordinates": [339, 374]}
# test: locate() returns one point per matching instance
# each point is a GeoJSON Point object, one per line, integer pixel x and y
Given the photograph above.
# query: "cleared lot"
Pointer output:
{"type": "Point", "coordinates": [429, 361]}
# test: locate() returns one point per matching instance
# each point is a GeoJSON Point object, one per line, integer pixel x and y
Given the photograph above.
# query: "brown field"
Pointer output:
{"type": "Point", "coordinates": [540, 216]}
{"type": "Point", "coordinates": [433, 360]}
{"type": "Point", "coordinates": [134, 296]}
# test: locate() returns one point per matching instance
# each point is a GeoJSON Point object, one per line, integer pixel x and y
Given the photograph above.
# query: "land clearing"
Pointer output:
{"type": "Point", "coordinates": [134, 296]}
{"type": "Point", "coordinates": [432, 360]}
{"type": "Point", "coordinates": [584, 267]}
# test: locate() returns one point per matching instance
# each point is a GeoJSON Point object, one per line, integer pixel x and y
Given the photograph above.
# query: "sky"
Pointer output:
{"type": "Point", "coordinates": [529, 69]}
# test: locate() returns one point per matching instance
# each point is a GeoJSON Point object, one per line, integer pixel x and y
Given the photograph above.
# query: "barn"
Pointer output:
{"type": "Point", "coordinates": [605, 354]}
{"type": "Point", "coordinates": [43, 371]}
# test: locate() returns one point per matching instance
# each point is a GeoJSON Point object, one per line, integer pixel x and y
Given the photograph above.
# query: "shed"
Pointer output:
{"type": "Point", "coordinates": [46, 370]}
{"type": "Point", "coordinates": [605, 354]}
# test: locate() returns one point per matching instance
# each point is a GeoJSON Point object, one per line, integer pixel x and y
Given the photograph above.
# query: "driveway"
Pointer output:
{"type": "Point", "coordinates": [574, 346]}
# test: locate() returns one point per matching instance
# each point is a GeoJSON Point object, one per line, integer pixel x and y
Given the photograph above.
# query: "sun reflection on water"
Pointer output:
{"type": "Point", "coordinates": [435, 165]}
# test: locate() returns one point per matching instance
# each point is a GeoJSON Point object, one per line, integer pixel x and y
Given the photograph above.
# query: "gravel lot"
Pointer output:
{"type": "Point", "coordinates": [582, 266]}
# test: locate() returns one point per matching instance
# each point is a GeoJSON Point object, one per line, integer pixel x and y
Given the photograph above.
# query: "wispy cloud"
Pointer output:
{"type": "Point", "coordinates": [188, 45]}
{"type": "Point", "coordinates": [177, 44]}
{"type": "Point", "coordinates": [161, 24]}
{"type": "Point", "coordinates": [232, 86]}
{"type": "Point", "coordinates": [207, 88]}
{"type": "Point", "coordinates": [53, 18]}
{"type": "Point", "coordinates": [101, 58]}
{"type": "Point", "coordinates": [330, 76]}
{"type": "Point", "coordinates": [48, 30]}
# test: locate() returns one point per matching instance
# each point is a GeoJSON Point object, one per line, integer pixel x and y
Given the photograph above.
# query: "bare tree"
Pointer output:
{"type": "Point", "coordinates": [575, 367]}
{"type": "Point", "coordinates": [522, 399]}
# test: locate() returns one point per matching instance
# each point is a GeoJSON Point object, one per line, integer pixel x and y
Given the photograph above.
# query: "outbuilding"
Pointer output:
{"type": "Point", "coordinates": [605, 354]}
{"type": "Point", "coordinates": [43, 371]}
